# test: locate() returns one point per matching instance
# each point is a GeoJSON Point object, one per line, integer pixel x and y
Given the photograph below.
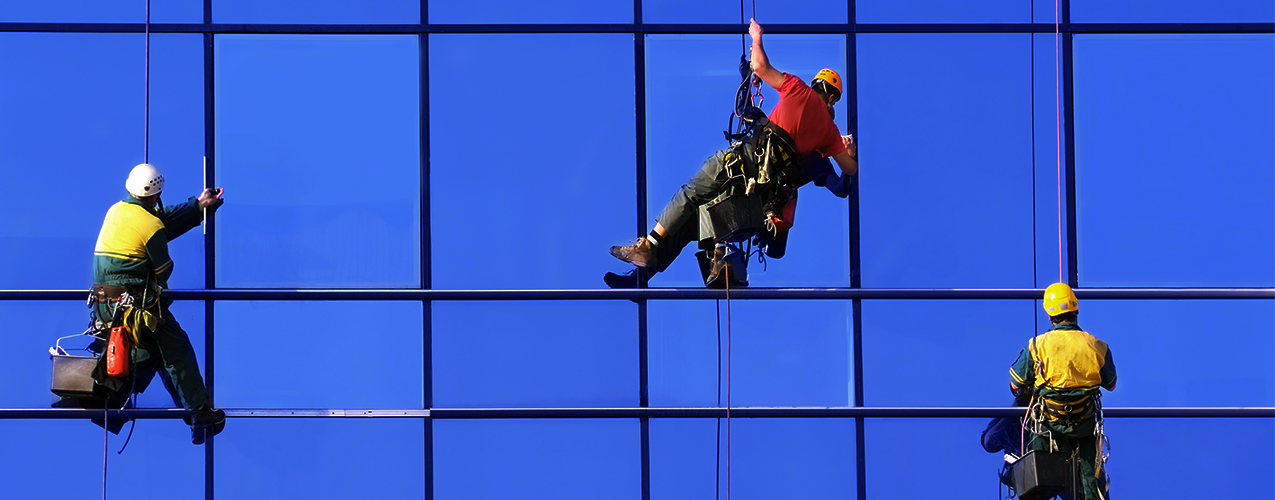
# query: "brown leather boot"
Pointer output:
{"type": "Point", "coordinates": [726, 266]}
{"type": "Point", "coordinates": [640, 253]}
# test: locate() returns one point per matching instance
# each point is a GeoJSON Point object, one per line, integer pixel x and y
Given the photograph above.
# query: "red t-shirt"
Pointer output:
{"type": "Point", "coordinates": [806, 119]}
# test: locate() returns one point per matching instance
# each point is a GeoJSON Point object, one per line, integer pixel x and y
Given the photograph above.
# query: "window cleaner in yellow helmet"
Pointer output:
{"type": "Point", "coordinates": [1064, 368]}
{"type": "Point", "coordinates": [800, 125]}
{"type": "Point", "coordinates": [131, 267]}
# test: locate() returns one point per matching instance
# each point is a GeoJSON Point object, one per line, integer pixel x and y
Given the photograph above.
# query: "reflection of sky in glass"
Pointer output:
{"type": "Point", "coordinates": [318, 147]}
{"type": "Point", "coordinates": [1175, 176]}
{"type": "Point", "coordinates": [946, 150]}
{"type": "Point", "coordinates": [72, 125]}
{"type": "Point", "coordinates": [319, 354]}
{"type": "Point", "coordinates": [535, 354]}
{"type": "Point", "coordinates": [531, 176]}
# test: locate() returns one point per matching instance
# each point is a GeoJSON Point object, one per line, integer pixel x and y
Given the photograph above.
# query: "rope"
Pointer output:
{"type": "Point", "coordinates": [146, 133]}
{"type": "Point", "coordinates": [717, 476]}
{"type": "Point", "coordinates": [726, 275]}
{"type": "Point", "coordinates": [750, 96]}
{"type": "Point", "coordinates": [106, 438]}
{"type": "Point", "coordinates": [1058, 131]}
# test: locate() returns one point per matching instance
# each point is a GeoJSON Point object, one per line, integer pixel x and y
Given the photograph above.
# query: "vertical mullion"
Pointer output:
{"type": "Point", "coordinates": [639, 126]}
{"type": "Point", "coordinates": [210, 264]}
{"type": "Point", "coordinates": [1069, 138]}
{"type": "Point", "coordinates": [426, 255]}
{"type": "Point", "coordinates": [851, 96]}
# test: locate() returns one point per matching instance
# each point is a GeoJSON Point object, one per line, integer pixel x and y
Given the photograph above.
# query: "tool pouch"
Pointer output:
{"type": "Point", "coordinates": [117, 352]}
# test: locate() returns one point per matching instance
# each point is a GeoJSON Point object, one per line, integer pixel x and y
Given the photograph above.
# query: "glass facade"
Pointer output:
{"type": "Point", "coordinates": [420, 196]}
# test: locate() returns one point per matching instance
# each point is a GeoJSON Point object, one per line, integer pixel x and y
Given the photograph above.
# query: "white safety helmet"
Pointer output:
{"type": "Point", "coordinates": [145, 180]}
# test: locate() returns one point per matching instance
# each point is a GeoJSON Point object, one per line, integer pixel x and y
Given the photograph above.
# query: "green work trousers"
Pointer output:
{"type": "Point", "coordinates": [167, 348]}
{"type": "Point", "coordinates": [1076, 438]}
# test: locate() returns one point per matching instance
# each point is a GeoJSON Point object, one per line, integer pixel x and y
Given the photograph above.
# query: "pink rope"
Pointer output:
{"type": "Point", "coordinates": [1058, 130]}
{"type": "Point", "coordinates": [146, 134]}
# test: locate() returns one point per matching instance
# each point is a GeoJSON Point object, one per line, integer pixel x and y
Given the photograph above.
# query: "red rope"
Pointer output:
{"type": "Point", "coordinates": [726, 274]}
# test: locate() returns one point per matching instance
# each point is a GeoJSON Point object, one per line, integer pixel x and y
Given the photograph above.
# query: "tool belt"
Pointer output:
{"type": "Point", "coordinates": [1068, 411]}
{"type": "Point", "coordinates": [108, 293]}
{"type": "Point", "coordinates": [134, 307]}
{"type": "Point", "coordinates": [755, 166]}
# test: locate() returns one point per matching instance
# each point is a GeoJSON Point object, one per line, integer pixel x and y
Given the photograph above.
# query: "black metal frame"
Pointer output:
{"type": "Point", "coordinates": [210, 294]}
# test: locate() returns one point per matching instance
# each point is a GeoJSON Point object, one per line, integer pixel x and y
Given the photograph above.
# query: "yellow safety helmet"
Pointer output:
{"type": "Point", "coordinates": [1060, 299]}
{"type": "Point", "coordinates": [831, 78]}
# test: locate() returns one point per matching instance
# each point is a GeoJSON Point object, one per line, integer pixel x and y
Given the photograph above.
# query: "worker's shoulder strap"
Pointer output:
{"type": "Point", "coordinates": [777, 151]}
{"type": "Point", "coordinates": [778, 133]}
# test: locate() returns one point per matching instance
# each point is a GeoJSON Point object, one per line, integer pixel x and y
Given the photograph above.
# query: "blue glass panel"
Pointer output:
{"type": "Point", "coordinates": [43, 322]}
{"type": "Point", "coordinates": [318, 147]}
{"type": "Point", "coordinates": [782, 353]}
{"type": "Point", "coordinates": [560, 188]}
{"type": "Point", "coordinates": [942, 206]}
{"type": "Point", "coordinates": [529, 12]}
{"type": "Point", "coordinates": [78, 114]}
{"type": "Point", "coordinates": [1175, 180]}
{"type": "Point", "coordinates": [939, 11]}
{"type": "Point", "coordinates": [902, 454]}
{"type": "Point", "coordinates": [1050, 157]}
{"type": "Point", "coordinates": [561, 459]}
{"type": "Point", "coordinates": [1172, 11]}
{"type": "Point", "coordinates": [1191, 458]}
{"type": "Point", "coordinates": [517, 354]}
{"type": "Point", "coordinates": [730, 12]}
{"type": "Point", "coordinates": [27, 354]}
{"type": "Point", "coordinates": [317, 12]}
{"type": "Point", "coordinates": [912, 346]}
{"type": "Point", "coordinates": [62, 459]}
{"type": "Point", "coordinates": [1048, 11]}
{"type": "Point", "coordinates": [690, 83]}
{"type": "Point", "coordinates": [321, 458]}
{"type": "Point", "coordinates": [97, 11]}
{"type": "Point", "coordinates": [1227, 344]}
{"type": "Point", "coordinates": [767, 458]}
{"type": "Point", "coordinates": [320, 354]}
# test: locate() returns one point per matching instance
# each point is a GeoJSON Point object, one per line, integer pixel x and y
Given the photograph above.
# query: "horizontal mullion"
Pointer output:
{"type": "Point", "coordinates": [572, 413]}
{"type": "Point", "coordinates": [834, 28]}
{"type": "Point", "coordinates": [667, 294]}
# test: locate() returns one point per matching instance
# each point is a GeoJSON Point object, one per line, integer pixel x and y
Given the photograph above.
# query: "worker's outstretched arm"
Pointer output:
{"type": "Point", "coordinates": [848, 160]}
{"type": "Point", "coordinates": [761, 64]}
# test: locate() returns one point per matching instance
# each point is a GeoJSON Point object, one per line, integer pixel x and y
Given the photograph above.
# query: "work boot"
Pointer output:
{"type": "Point", "coordinates": [631, 279]}
{"type": "Point", "coordinates": [205, 421]}
{"type": "Point", "coordinates": [727, 263]}
{"type": "Point", "coordinates": [640, 253]}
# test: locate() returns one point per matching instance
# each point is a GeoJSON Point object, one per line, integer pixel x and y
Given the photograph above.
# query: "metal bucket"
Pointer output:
{"type": "Point", "coordinates": [736, 218]}
{"type": "Point", "coordinates": [73, 377]}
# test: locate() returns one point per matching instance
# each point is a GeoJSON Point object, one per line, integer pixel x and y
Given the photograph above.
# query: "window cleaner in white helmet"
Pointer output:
{"type": "Point", "coordinates": [131, 267]}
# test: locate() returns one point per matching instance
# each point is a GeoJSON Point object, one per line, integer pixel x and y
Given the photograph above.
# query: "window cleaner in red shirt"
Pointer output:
{"type": "Point", "coordinates": [803, 127]}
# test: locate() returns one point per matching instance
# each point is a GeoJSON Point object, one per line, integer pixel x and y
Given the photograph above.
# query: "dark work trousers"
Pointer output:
{"type": "Point", "coordinates": [1077, 437]}
{"type": "Point", "coordinates": [681, 217]}
{"type": "Point", "coordinates": [168, 349]}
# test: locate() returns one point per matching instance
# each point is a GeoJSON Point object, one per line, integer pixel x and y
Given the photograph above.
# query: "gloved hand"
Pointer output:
{"type": "Point", "coordinates": [839, 185]}
{"type": "Point", "coordinates": [745, 67]}
{"type": "Point", "coordinates": [211, 198]}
